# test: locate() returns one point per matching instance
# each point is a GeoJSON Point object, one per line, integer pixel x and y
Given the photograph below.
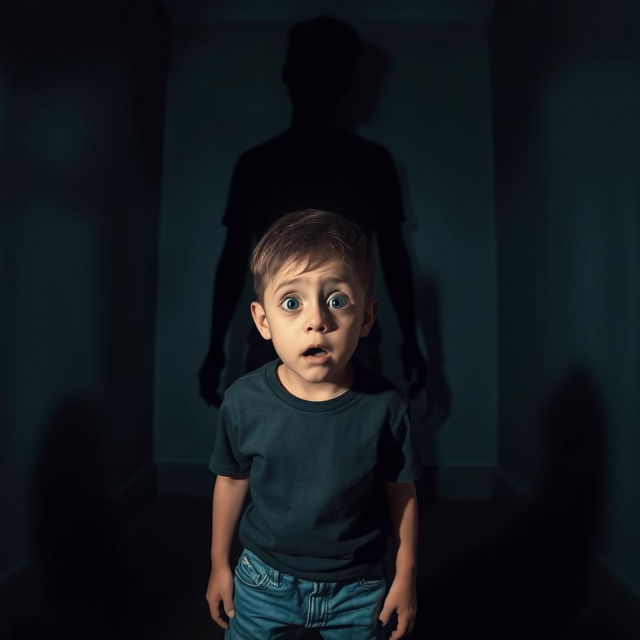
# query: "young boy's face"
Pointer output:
{"type": "Point", "coordinates": [315, 318]}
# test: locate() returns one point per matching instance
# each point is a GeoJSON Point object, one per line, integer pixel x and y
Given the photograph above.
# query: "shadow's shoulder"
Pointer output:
{"type": "Point", "coordinates": [279, 142]}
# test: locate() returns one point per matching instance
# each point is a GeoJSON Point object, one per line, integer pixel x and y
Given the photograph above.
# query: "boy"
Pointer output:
{"type": "Point", "coordinates": [325, 447]}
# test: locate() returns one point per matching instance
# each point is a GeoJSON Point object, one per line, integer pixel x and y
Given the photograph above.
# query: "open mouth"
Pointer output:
{"type": "Point", "coordinates": [314, 351]}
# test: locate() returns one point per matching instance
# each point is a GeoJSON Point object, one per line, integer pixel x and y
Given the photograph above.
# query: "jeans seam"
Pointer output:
{"type": "Point", "coordinates": [316, 587]}
{"type": "Point", "coordinates": [325, 607]}
{"type": "Point", "coordinates": [327, 604]}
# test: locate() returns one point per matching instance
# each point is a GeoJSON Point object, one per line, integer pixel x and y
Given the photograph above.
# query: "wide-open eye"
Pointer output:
{"type": "Point", "coordinates": [338, 301]}
{"type": "Point", "coordinates": [290, 304]}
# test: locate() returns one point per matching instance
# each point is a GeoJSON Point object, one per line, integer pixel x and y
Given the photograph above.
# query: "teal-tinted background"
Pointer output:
{"type": "Point", "coordinates": [566, 81]}
{"type": "Point", "coordinates": [81, 95]}
{"type": "Point", "coordinates": [118, 132]}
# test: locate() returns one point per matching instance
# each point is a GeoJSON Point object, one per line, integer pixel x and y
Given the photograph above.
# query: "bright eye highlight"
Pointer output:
{"type": "Point", "coordinates": [290, 304]}
{"type": "Point", "coordinates": [338, 302]}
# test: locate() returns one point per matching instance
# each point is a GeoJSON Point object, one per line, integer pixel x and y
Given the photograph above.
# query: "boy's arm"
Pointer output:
{"type": "Point", "coordinates": [228, 500]}
{"type": "Point", "coordinates": [403, 506]}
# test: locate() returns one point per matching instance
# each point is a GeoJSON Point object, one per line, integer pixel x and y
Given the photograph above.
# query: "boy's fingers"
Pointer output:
{"type": "Point", "coordinates": [221, 622]}
{"type": "Point", "coordinates": [400, 630]}
{"type": "Point", "coordinates": [228, 606]}
{"type": "Point", "coordinates": [214, 609]}
{"type": "Point", "coordinates": [385, 614]}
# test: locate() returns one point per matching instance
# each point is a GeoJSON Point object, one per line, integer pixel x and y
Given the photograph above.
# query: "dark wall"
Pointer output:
{"type": "Point", "coordinates": [81, 116]}
{"type": "Point", "coordinates": [566, 97]}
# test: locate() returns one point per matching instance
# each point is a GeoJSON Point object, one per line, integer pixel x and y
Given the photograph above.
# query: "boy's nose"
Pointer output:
{"type": "Point", "coordinates": [316, 321]}
{"type": "Point", "coordinates": [320, 326]}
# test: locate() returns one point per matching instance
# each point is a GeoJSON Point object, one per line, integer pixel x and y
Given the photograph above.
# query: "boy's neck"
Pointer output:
{"type": "Point", "coordinates": [315, 391]}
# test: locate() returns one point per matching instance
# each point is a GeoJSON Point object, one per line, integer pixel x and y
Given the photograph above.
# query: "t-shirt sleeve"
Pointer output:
{"type": "Point", "coordinates": [398, 457]}
{"type": "Point", "coordinates": [226, 458]}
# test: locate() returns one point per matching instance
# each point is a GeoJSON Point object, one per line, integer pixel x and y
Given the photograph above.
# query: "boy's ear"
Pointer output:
{"type": "Point", "coordinates": [369, 317]}
{"type": "Point", "coordinates": [260, 320]}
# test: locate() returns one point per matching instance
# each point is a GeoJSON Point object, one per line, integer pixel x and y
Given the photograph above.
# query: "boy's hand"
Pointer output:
{"type": "Point", "coordinates": [220, 590]}
{"type": "Point", "coordinates": [401, 599]}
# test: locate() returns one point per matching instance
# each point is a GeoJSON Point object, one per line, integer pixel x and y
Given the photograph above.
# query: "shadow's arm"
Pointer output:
{"type": "Point", "coordinates": [398, 276]}
{"type": "Point", "coordinates": [227, 288]}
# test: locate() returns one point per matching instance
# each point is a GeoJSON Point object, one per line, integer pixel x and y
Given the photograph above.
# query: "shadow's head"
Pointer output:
{"type": "Point", "coordinates": [321, 56]}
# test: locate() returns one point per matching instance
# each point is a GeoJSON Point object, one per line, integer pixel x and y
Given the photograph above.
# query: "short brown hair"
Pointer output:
{"type": "Point", "coordinates": [313, 236]}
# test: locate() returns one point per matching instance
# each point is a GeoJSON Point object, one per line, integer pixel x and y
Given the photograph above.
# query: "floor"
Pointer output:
{"type": "Point", "coordinates": [486, 569]}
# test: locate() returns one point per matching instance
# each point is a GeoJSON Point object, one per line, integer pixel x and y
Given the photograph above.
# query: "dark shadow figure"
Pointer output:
{"type": "Point", "coordinates": [532, 581]}
{"type": "Point", "coordinates": [320, 165]}
{"type": "Point", "coordinates": [81, 572]}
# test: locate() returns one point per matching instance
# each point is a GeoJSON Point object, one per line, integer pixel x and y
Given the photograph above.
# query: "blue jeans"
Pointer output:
{"type": "Point", "coordinates": [271, 605]}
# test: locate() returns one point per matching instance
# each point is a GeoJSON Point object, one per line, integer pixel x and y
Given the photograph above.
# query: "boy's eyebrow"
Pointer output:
{"type": "Point", "coordinates": [286, 283]}
{"type": "Point", "coordinates": [337, 280]}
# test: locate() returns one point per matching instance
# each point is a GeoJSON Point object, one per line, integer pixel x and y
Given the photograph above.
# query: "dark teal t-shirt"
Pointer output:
{"type": "Point", "coordinates": [318, 506]}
